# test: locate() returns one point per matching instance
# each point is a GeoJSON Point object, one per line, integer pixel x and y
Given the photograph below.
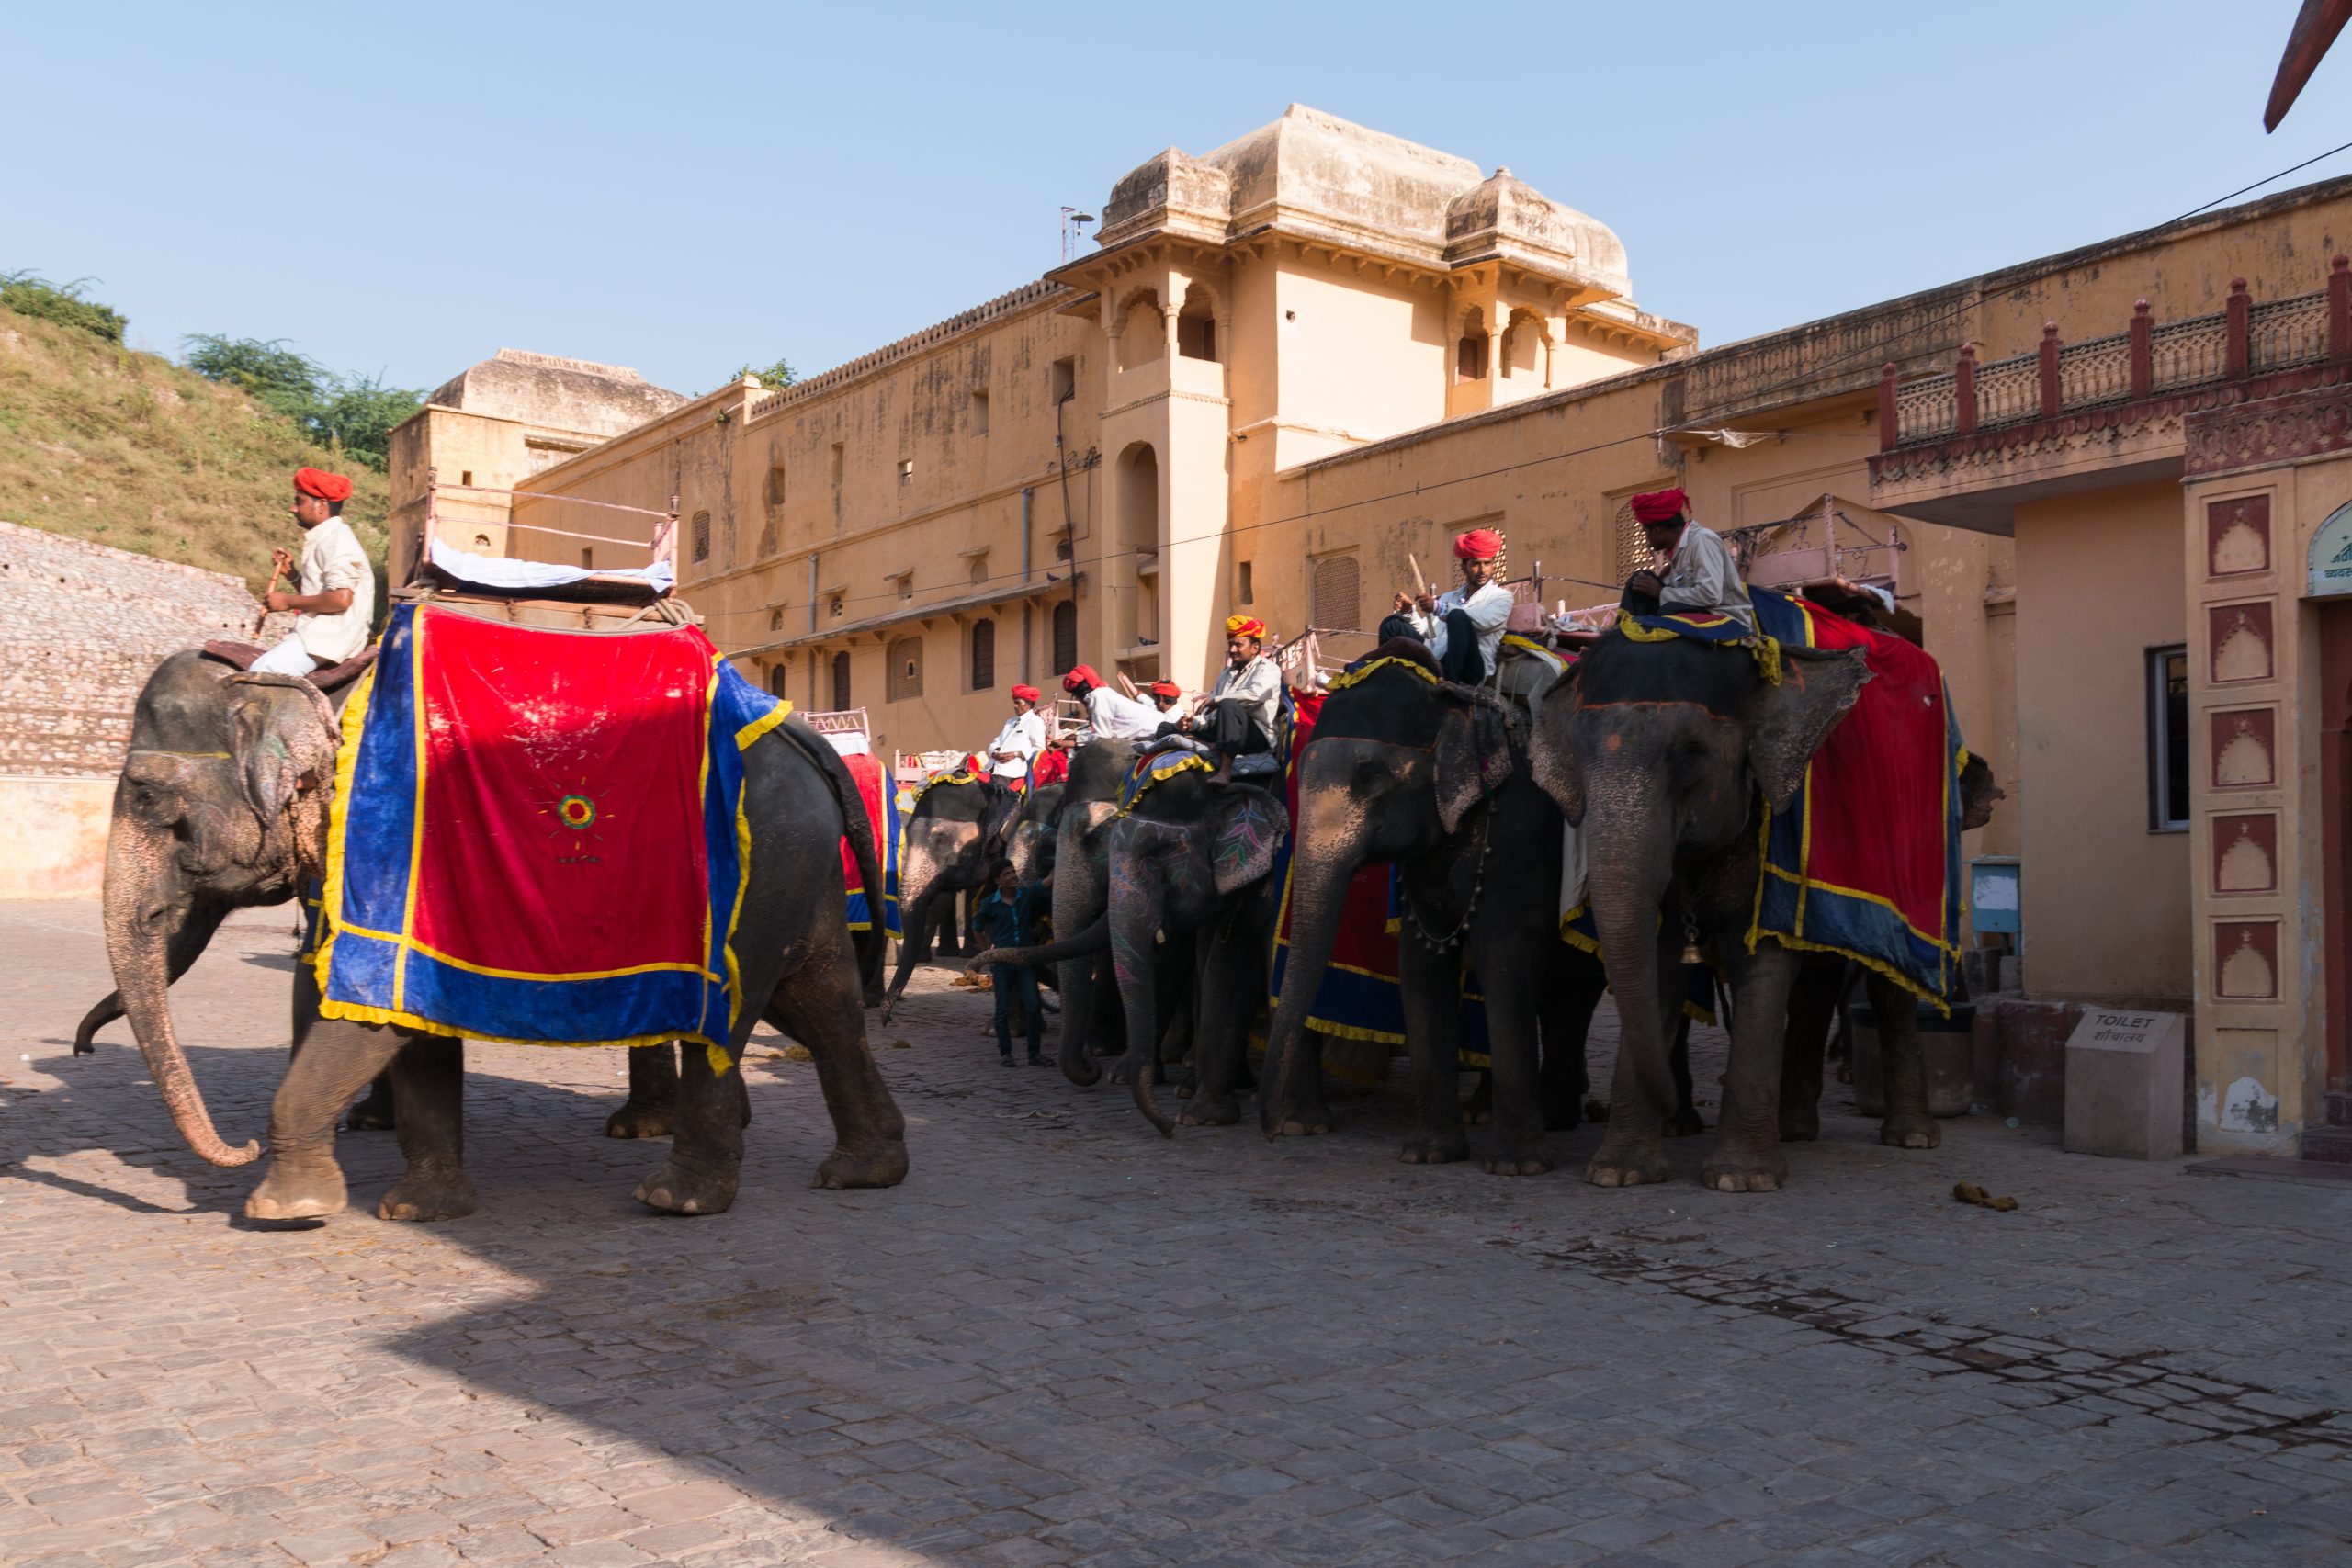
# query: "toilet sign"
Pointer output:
{"type": "Point", "coordinates": [2330, 559]}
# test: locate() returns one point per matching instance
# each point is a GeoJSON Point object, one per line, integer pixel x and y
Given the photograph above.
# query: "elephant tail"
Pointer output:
{"type": "Point", "coordinates": [1093, 939]}
{"type": "Point", "coordinates": [873, 943]}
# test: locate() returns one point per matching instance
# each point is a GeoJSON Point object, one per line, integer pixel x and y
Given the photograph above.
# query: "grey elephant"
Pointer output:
{"type": "Point", "coordinates": [954, 834]}
{"type": "Point", "coordinates": [1407, 769]}
{"type": "Point", "coordinates": [1667, 754]}
{"type": "Point", "coordinates": [224, 802]}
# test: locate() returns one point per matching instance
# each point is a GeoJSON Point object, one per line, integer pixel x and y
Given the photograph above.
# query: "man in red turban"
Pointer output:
{"type": "Point", "coordinates": [1463, 625]}
{"type": "Point", "coordinates": [1023, 737]}
{"type": "Point", "coordinates": [336, 596]}
{"type": "Point", "coordinates": [1111, 716]}
{"type": "Point", "coordinates": [1694, 570]}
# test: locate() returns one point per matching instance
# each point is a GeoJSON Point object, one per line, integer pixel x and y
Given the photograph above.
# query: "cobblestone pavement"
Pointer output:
{"type": "Point", "coordinates": [1064, 1340]}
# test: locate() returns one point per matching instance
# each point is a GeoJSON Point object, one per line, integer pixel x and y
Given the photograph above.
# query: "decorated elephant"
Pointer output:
{"type": "Point", "coordinates": [953, 833]}
{"type": "Point", "coordinates": [1059, 833]}
{"type": "Point", "coordinates": [1406, 768]}
{"type": "Point", "coordinates": [1685, 750]}
{"type": "Point", "coordinates": [224, 803]}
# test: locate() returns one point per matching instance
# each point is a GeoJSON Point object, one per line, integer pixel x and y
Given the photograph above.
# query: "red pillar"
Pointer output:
{"type": "Point", "coordinates": [1963, 390]}
{"type": "Point", "coordinates": [2237, 357]}
{"type": "Point", "coordinates": [1888, 424]}
{"type": "Point", "coordinates": [2144, 353]}
{"type": "Point", "coordinates": [2049, 368]}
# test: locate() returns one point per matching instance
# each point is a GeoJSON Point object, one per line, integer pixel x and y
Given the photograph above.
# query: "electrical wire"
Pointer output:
{"type": "Point", "coordinates": [1811, 373]}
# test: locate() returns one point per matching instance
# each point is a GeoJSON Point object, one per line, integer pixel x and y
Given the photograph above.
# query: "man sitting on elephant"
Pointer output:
{"type": "Point", "coordinates": [1236, 719]}
{"type": "Point", "coordinates": [1464, 626]}
{"type": "Point", "coordinates": [337, 587]}
{"type": "Point", "coordinates": [1695, 572]}
{"type": "Point", "coordinates": [1110, 715]}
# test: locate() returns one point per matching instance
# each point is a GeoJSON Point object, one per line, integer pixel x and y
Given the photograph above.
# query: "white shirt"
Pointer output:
{"type": "Point", "coordinates": [1117, 716]}
{"type": "Point", "coordinates": [1257, 686]}
{"type": "Point", "coordinates": [1490, 610]}
{"type": "Point", "coordinates": [1700, 575]}
{"type": "Point", "coordinates": [332, 559]}
{"type": "Point", "coordinates": [1024, 734]}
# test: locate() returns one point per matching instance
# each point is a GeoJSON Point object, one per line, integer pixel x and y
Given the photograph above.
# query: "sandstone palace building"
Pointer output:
{"type": "Point", "coordinates": [2112, 488]}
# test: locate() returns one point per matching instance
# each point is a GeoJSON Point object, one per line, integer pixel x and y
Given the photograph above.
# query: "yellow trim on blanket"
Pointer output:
{"type": "Point", "coordinates": [439, 957]}
{"type": "Point", "coordinates": [1761, 646]}
{"type": "Point", "coordinates": [1576, 938]}
{"type": "Point", "coordinates": [346, 766]}
{"type": "Point", "coordinates": [416, 813]}
{"type": "Point", "coordinates": [1341, 682]}
{"type": "Point", "coordinates": [352, 1012]}
{"type": "Point", "coordinates": [1160, 774]}
{"type": "Point", "coordinates": [762, 725]}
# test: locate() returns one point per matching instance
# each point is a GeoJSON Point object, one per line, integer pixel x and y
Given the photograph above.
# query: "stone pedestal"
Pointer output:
{"type": "Point", "coordinates": [2123, 1084]}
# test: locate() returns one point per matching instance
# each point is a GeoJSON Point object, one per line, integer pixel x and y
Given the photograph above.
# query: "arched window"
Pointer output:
{"type": "Point", "coordinates": [906, 669]}
{"type": "Point", "coordinates": [1065, 636]}
{"type": "Point", "coordinates": [983, 655]}
{"type": "Point", "coordinates": [1142, 331]}
{"type": "Point", "coordinates": [1470, 350]}
{"type": "Point", "coordinates": [1196, 328]}
{"type": "Point", "coordinates": [776, 674]}
{"type": "Point", "coordinates": [702, 536]}
{"type": "Point", "coordinates": [1337, 600]}
{"type": "Point", "coordinates": [841, 681]}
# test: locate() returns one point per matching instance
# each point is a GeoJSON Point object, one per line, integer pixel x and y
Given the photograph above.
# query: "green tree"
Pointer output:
{"type": "Point", "coordinates": [273, 374]}
{"type": "Point", "coordinates": [779, 375]}
{"type": "Point", "coordinates": [30, 294]}
{"type": "Point", "coordinates": [360, 413]}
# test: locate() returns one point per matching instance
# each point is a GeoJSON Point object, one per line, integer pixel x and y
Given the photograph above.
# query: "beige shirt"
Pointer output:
{"type": "Point", "coordinates": [1702, 575]}
{"type": "Point", "coordinates": [332, 559]}
{"type": "Point", "coordinates": [1257, 686]}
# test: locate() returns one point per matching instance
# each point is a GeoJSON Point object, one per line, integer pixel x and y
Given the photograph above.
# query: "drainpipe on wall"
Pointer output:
{"type": "Point", "coordinates": [813, 660]}
{"type": "Point", "coordinates": [1027, 608]}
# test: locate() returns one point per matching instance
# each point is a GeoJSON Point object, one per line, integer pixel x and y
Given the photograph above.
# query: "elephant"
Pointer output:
{"type": "Point", "coordinates": [224, 802]}
{"type": "Point", "coordinates": [1432, 776]}
{"type": "Point", "coordinates": [1667, 755]}
{"type": "Point", "coordinates": [955, 833]}
{"type": "Point", "coordinates": [1061, 832]}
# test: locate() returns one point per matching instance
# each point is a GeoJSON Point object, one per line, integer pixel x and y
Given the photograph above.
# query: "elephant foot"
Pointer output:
{"type": "Point", "coordinates": [292, 1193]}
{"type": "Point", "coordinates": [1523, 1161]}
{"type": "Point", "coordinates": [1684, 1123]}
{"type": "Point", "coordinates": [425, 1198]}
{"type": "Point", "coordinates": [674, 1192]}
{"type": "Point", "coordinates": [880, 1166]}
{"type": "Point", "coordinates": [1627, 1162]}
{"type": "Point", "coordinates": [1434, 1149]}
{"type": "Point", "coordinates": [1210, 1110]}
{"type": "Point", "coordinates": [636, 1119]}
{"type": "Point", "coordinates": [1478, 1110]}
{"type": "Point", "coordinates": [1737, 1170]}
{"type": "Point", "coordinates": [1910, 1133]}
{"type": "Point", "coordinates": [373, 1114]}
{"type": "Point", "coordinates": [1304, 1121]}
{"type": "Point", "coordinates": [1800, 1124]}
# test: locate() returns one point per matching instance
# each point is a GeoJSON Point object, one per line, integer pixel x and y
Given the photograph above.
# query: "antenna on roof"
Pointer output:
{"type": "Point", "coordinates": [1072, 221]}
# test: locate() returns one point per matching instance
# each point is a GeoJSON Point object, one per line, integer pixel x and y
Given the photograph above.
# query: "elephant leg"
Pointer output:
{"type": "Point", "coordinates": [814, 1005]}
{"type": "Point", "coordinates": [336, 1060]}
{"type": "Point", "coordinates": [1306, 1113]}
{"type": "Point", "coordinates": [1511, 991]}
{"type": "Point", "coordinates": [706, 1163]}
{"type": "Point", "coordinates": [1233, 976]}
{"type": "Point", "coordinates": [1813, 1009]}
{"type": "Point", "coordinates": [1633, 1146]}
{"type": "Point", "coordinates": [1685, 1121]}
{"type": "Point", "coordinates": [1746, 1153]}
{"type": "Point", "coordinates": [428, 1081]}
{"type": "Point", "coordinates": [1566, 1012]}
{"type": "Point", "coordinates": [1902, 1069]}
{"type": "Point", "coordinates": [1432, 983]}
{"type": "Point", "coordinates": [652, 1108]}
{"type": "Point", "coordinates": [377, 1111]}
{"type": "Point", "coordinates": [1478, 1110]}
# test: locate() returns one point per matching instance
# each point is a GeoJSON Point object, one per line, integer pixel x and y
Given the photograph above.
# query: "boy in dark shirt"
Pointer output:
{"type": "Point", "coordinates": [1004, 917]}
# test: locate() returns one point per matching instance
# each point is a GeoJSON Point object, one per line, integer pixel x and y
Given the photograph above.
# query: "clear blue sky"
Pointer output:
{"type": "Point", "coordinates": [683, 188]}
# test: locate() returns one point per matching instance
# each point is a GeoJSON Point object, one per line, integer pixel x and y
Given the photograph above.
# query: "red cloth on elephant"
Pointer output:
{"type": "Point", "coordinates": [1051, 767]}
{"type": "Point", "coordinates": [1358, 997]}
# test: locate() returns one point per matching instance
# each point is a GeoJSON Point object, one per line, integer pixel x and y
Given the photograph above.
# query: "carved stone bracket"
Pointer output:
{"type": "Point", "coordinates": [2277, 430]}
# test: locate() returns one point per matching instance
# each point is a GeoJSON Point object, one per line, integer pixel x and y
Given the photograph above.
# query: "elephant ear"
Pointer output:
{"type": "Point", "coordinates": [1790, 721]}
{"type": "Point", "coordinates": [283, 736]}
{"type": "Point", "coordinates": [1552, 754]}
{"type": "Point", "coordinates": [1251, 826]}
{"type": "Point", "coordinates": [1472, 757]}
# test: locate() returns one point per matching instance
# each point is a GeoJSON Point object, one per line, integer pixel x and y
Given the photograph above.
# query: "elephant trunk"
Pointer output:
{"type": "Point", "coordinates": [1135, 905]}
{"type": "Point", "coordinates": [1628, 871]}
{"type": "Point", "coordinates": [1078, 902]}
{"type": "Point", "coordinates": [1319, 877]}
{"type": "Point", "coordinates": [1093, 940]}
{"type": "Point", "coordinates": [918, 884]}
{"type": "Point", "coordinates": [145, 913]}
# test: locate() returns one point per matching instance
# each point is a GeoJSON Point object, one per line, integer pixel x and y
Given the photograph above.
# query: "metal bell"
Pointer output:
{"type": "Point", "coordinates": [1690, 954]}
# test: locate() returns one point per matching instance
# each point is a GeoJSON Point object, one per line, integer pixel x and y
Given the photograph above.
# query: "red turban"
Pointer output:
{"type": "Point", "coordinates": [1661, 506]}
{"type": "Point", "coordinates": [1026, 694]}
{"type": "Point", "coordinates": [1081, 678]}
{"type": "Point", "coordinates": [1166, 689]}
{"type": "Point", "coordinates": [320, 485]}
{"type": "Point", "coordinates": [1479, 544]}
{"type": "Point", "coordinates": [1245, 626]}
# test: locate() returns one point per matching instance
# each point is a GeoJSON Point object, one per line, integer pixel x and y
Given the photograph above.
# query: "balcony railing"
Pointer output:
{"type": "Point", "coordinates": [2148, 360]}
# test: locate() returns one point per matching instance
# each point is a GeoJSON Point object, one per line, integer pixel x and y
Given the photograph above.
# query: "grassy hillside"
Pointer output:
{"type": "Point", "coordinates": [128, 450]}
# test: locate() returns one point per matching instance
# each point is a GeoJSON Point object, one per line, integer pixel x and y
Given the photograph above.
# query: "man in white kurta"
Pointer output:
{"type": "Point", "coordinates": [1463, 625]}
{"type": "Point", "coordinates": [337, 586]}
{"type": "Point", "coordinates": [1110, 715]}
{"type": "Point", "coordinates": [1018, 743]}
